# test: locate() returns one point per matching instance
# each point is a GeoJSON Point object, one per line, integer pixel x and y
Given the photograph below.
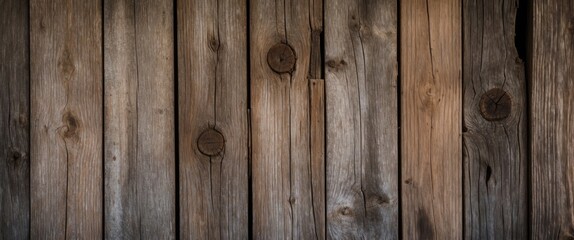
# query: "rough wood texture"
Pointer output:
{"type": "Point", "coordinates": [14, 115]}
{"type": "Point", "coordinates": [431, 119]}
{"type": "Point", "coordinates": [552, 104]}
{"type": "Point", "coordinates": [495, 127]}
{"type": "Point", "coordinates": [139, 120]}
{"type": "Point", "coordinates": [317, 118]}
{"type": "Point", "coordinates": [66, 119]}
{"type": "Point", "coordinates": [212, 58]}
{"type": "Point", "coordinates": [362, 131]}
{"type": "Point", "coordinates": [284, 202]}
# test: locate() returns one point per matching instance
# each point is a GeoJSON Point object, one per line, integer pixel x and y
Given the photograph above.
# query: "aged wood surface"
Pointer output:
{"type": "Point", "coordinates": [14, 115]}
{"type": "Point", "coordinates": [431, 147]}
{"type": "Point", "coordinates": [495, 126]}
{"type": "Point", "coordinates": [362, 131]}
{"type": "Point", "coordinates": [285, 205]}
{"type": "Point", "coordinates": [551, 70]}
{"type": "Point", "coordinates": [317, 118]}
{"type": "Point", "coordinates": [139, 120]}
{"type": "Point", "coordinates": [66, 119]}
{"type": "Point", "coordinates": [212, 60]}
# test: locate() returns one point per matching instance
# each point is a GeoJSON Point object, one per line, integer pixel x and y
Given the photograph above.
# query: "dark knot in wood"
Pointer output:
{"type": "Point", "coordinates": [71, 125]}
{"type": "Point", "coordinates": [495, 105]}
{"type": "Point", "coordinates": [281, 58]}
{"type": "Point", "coordinates": [211, 142]}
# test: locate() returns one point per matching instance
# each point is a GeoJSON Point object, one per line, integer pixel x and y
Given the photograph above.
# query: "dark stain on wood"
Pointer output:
{"type": "Point", "coordinates": [424, 225]}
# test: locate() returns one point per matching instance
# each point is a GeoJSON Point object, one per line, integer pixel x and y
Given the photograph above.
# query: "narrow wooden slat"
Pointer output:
{"type": "Point", "coordinates": [14, 115]}
{"type": "Point", "coordinates": [139, 125]}
{"type": "Point", "coordinates": [552, 119]}
{"type": "Point", "coordinates": [317, 118]}
{"type": "Point", "coordinates": [66, 119]}
{"type": "Point", "coordinates": [362, 131]}
{"type": "Point", "coordinates": [212, 60]}
{"type": "Point", "coordinates": [495, 148]}
{"type": "Point", "coordinates": [284, 202]}
{"type": "Point", "coordinates": [431, 147]}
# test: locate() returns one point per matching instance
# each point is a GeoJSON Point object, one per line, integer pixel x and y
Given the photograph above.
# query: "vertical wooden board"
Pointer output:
{"type": "Point", "coordinates": [213, 170]}
{"type": "Point", "coordinates": [284, 202]}
{"type": "Point", "coordinates": [14, 115]}
{"type": "Point", "coordinates": [431, 147]}
{"type": "Point", "coordinates": [66, 119]}
{"type": "Point", "coordinates": [495, 127]}
{"type": "Point", "coordinates": [317, 118]}
{"type": "Point", "coordinates": [362, 131]}
{"type": "Point", "coordinates": [139, 124]}
{"type": "Point", "coordinates": [552, 112]}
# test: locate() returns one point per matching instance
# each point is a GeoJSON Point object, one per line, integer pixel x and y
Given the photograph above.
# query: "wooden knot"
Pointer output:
{"type": "Point", "coordinates": [16, 155]}
{"type": "Point", "coordinates": [495, 105]}
{"type": "Point", "coordinates": [71, 125]}
{"type": "Point", "coordinates": [281, 58]}
{"type": "Point", "coordinates": [210, 142]}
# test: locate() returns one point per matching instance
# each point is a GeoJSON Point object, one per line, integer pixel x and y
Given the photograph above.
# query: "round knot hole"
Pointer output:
{"type": "Point", "coordinates": [281, 58]}
{"type": "Point", "coordinates": [210, 142]}
{"type": "Point", "coordinates": [495, 105]}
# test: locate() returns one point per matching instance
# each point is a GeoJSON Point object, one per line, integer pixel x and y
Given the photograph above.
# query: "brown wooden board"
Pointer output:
{"type": "Point", "coordinates": [66, 119]}
{"type": "Point", "coordinates": [551, 71]}
{"type": "Point", "coordinates": [213, 120]}
{"type": "Point", "coordinates": [139, 120]}
{"type": "Point", "coordinates": [14, 115]}
{"type": "Point", "coordinates": [362, 115]}
{"type": "Point", "coordinates": [431, 117]}
{"type": "Point", "coordinates": [495, 126]}
{"type": "Point", "coordinates": [285, 204]}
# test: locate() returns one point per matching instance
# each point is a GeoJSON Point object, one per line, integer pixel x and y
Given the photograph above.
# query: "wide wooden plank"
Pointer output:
{"type": "Point", "coordinates": [213, 126]}
{"type": "Point", "coordinates": [362, 115]}
{"type": "Point", "coordinates": [285, 205]}
{"type": "Point", "coordinates": [139, 120]}
{"type": "Point", "coordinates": [551, 74]}
{"type": "Point", "coordinates": [66, 119]}
{"type": "Point", "coordinates": [431, 147]}
{"type": "Point", "coordinates": [495, 126]}
{"type": "Point", "coordinates": [14, 115]}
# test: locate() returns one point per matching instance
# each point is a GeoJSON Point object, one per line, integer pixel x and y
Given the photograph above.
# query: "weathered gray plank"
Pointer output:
{"type": "Point", "coordinates": [431, 106]}
{"type": "Point", "coordinates": [14, 115]}
{"type": "Point", "coordinates": [284, 202]}
{"type": "Point", "coordinates": [66, 119]}
{"type": "Point", "coordinates": [139, 120]}
{"type": "Point", "coordinates": [495, 137]}
{"type": "Point", "coordinates": [362, 131]}
{"type": "Point", "coordinates": [551, 69]}
{"type": "Point", "coordinates": [212, 60]}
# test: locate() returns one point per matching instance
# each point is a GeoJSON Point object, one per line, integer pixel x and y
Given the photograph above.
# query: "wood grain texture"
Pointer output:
{"type": "Point", "coordinates": [284, 202]}
{"type": "Point", "coordinates": [139, 120]}
{"type": "Point", "coordinates": [66, 119]}
{"type": "Point", "coordinates": [552, 112]}
{"type": "Point", "coordinates": [495, 152]}
{"type": "Point", "coordinates": [212, 60]}
{"type": "Point", "coordinates": [14, 115]}
{"type": "Point", "coordinates": [362, 130]}
{"type": "Point", "coordinates": [317, 118]}
{"type": "Point", "coordinates": [431, 147]}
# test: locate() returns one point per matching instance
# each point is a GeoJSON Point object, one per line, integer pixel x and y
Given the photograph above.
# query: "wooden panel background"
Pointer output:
{"type": "Point", "coordinates": [139, 94]}
{"type": "Point", "coordinates": [270, 119]}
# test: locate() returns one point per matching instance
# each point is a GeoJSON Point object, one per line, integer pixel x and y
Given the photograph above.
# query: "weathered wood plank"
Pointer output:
{"type": "Point", "coordinates": [317, 118]}
{"type": "Point", "coordinates": [495, 137]}
{"type": "Point", "coordinates": [139, 125]}
{"type": "Point", "coordinates": [212, 60]}
{"type": "Point", "coordinates": [284, 202]}
{"type": "Point", "coordinates": [14, 115]}
{"type": "Point", "coordinates": [362, 130]}
{"type": "Point", "coordinates": [551, 69]}
{"type": "Point", "coordinates": [66, 119]}
{"type": "Point", "coordinates": [431, 148]}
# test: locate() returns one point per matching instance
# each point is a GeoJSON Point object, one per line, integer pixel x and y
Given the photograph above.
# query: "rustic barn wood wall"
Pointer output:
{"type": "Point", "coordinates": [272, 119]}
